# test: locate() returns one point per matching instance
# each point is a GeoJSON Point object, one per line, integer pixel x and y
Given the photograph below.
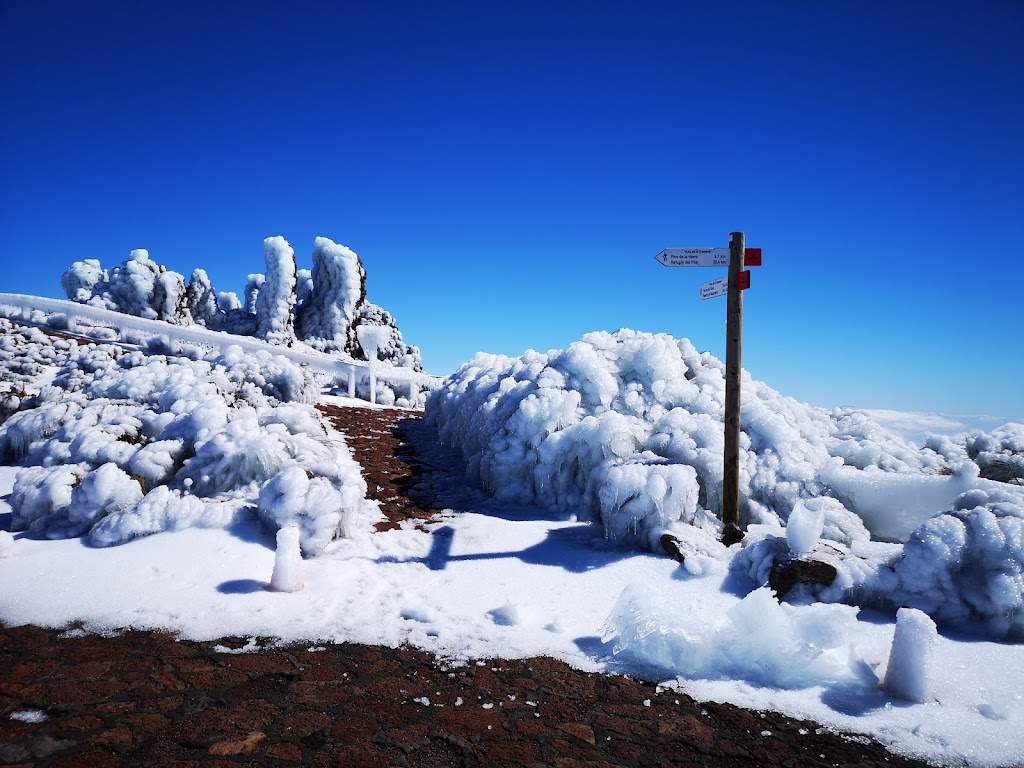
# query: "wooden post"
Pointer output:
{"type": "Point", "coordinates": [731, 532]}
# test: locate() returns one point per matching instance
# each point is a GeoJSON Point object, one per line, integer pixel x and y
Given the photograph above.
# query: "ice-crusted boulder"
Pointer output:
{"type": "Point", "coordinates": [555, 428]}
{"type": "Point", "coordinates": [201, 299]}
{"type": "Point", "coordinates": [303, 286]}
{"type": "Point", "coordinates": [275, 303]}
{"type": "Point", "coordinates": [124, 444]}
{"type": "Point", "coordinates": [253, 283]}
{"type": "Point", "coordinates": [963, 567]}
{"type": "Point", "coordinates": [131, 286]}
{"type": "Point", "coordinates": [393, 350]}
{"type": "Point", "coordinates": [323, 306]}
{"type": "Point", "coordinates": [170, 301]}
{"type": "Point", "coordinates": [339, 287]}
{"type": "Point", "coordinates": [81, 279]}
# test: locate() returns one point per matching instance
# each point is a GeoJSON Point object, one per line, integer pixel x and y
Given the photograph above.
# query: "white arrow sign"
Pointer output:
{"type": "Point", "coordinates": [714, 288]}
{"type": "Point", "coordinates": [694, 257]}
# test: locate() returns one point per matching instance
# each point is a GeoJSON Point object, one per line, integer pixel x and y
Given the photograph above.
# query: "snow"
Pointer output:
{"type": "Point", "coordinates": [29, 716]}
{"type": "Point", "coordinates": [287, 575]}
{"type": "Point", "coordinates": [909, 672]}
{"type": "Point", "coordinates": [439, 592]}
{"type": "Point", "coordinates": [6, 544]}
{"type": "Point", "coordinates": [192, 460]}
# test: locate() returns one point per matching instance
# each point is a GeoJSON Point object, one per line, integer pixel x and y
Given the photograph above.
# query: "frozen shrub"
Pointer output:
{"type": "Point", "coordinates": [102, 491]}
{"type": "Point", "coordinates": [42, 495]}
{"type": "Point", "coordinates": [546, 427]}
{"type": "Point", "coordinates": [198, 434]}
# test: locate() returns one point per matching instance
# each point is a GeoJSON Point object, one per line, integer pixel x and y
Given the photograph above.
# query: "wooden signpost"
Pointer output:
{"type": "Point", "coordinates": [736, 257]}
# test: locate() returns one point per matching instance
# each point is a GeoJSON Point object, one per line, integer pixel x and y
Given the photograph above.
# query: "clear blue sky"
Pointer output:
{"type": "Point", "coordinates": [508, 172]}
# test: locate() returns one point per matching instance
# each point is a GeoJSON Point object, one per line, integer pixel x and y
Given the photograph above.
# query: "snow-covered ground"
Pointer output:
{"type": "Point", "coordinates": [577, 462]}
{"type": "Point", "coordinates": [512, 582]}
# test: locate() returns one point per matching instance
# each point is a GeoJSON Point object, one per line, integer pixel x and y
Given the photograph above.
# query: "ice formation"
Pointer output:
{"type": "Point", "coordinates": [124, 444]}
{"type": "Point", "coordinates": [759, 640]}
{"type": "Point", "coordinates": [339, 286]}
{"type": "Point", "coordinates": [202, 302]}
{"type": "Point", "coordinates": [910, 658]}
{"type": "Point", "coordinates": [323, 307]}
{"type": "Point", "coordinates": [577, 429]}
{"type": "Point", "coordinates": [804, 528]}
{"type": "Point", "coordinates": [275, 304]}
{"type": "Point", "coordinates": [81, 278]}
{"type": "Point", "coordinates": [287, 575]}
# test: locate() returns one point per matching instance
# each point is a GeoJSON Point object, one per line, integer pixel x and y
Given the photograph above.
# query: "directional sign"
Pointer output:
{"type": "Point", "coordinates": [694, 257]}
{"type": "Point", "coordinates": [714, 288]}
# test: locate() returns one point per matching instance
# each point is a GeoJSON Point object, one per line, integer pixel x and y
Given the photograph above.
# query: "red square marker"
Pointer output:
{"type": "Point", "coordinates": [743, 280]}
{"type": "Point", "coordinates": [751, 257]}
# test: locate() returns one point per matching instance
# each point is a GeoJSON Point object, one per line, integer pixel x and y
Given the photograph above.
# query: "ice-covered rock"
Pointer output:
{"type": "Point", "coordinates": [909, 673]}
{"type": "Point", "coordinates": [339, 287]}
{"type": "Point", "coordinates": [287, 574]}
{"type": "Point", "coordinates": [82, 278]}
{"type": "Point", "coordinates": [275, 304]}
{"type": "Point", "coordinates": [253, 284]}
{"type": "Point", "coordinates": [201, 299]}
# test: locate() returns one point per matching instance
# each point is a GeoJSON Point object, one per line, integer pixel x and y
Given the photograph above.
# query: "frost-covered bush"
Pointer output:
{"type": "Point", "coordinates": [550, 429]}
{"type": "Point", "coordinates": [128, 443]}
{"type": "Point", "coordinates": [275, 303]}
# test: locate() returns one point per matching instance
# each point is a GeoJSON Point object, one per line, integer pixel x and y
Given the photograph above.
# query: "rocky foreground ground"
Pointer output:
{"type": "Point", "coordinates": [143, 698]}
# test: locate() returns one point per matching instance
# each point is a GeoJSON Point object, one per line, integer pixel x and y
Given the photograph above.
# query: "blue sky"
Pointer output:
{"type": "Point", "coordinates": [508, 171]}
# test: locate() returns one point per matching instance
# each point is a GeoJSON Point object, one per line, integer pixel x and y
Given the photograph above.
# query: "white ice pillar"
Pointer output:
{"type": "Point", "coordinates": [352, 381]}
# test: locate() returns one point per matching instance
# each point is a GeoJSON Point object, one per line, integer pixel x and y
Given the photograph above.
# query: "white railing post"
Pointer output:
{"type": "Point", "coordinates": [352, 381]}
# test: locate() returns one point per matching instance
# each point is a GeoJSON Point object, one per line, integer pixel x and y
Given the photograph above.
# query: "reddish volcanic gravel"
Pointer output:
{"type": "Point", "coordinates": [144, 698]}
